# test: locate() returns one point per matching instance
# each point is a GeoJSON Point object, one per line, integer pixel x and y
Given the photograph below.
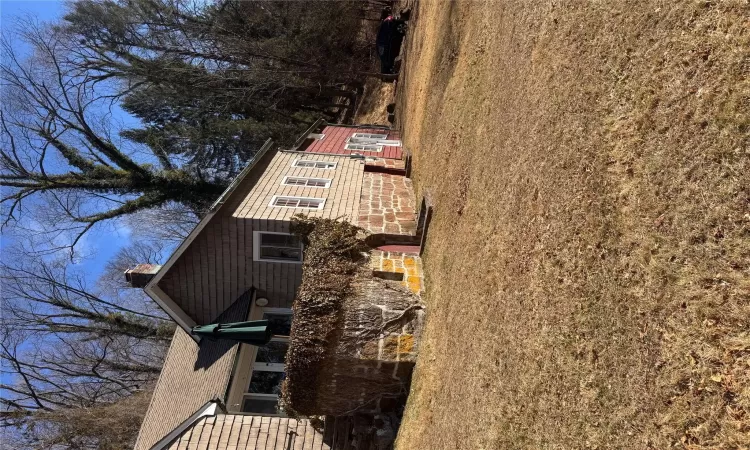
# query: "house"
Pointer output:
{"type": "Point", "coordinates": [242, 263]}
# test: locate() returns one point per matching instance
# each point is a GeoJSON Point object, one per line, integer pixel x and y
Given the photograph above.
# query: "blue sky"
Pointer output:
{"type": "Point", "coordinates": [102, 242]}
{"type": "Point", "coordinates": [43, 9]}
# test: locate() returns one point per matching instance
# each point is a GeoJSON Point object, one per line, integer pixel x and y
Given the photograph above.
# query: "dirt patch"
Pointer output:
{"type": "Point", "coordinates": [588, 264]}
{"type": "Point", "coordinates": [375, 99]}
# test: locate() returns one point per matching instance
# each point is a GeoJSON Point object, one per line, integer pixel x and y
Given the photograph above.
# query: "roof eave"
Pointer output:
{"type": "Point", "coordinates": [209, 409]}
{"type": "Point", "coordinates": [152, 288]}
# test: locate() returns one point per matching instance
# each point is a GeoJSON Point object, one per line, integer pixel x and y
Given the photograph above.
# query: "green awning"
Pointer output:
{"type": "Point", "coordinates": [255, 332]}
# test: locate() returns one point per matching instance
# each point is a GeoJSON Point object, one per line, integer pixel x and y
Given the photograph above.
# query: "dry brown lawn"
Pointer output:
{"type": "Point", "coordinates": [588, 266]}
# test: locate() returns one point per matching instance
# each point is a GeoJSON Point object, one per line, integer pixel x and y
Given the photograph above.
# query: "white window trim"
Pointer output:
{"type": "Point", "coordinates": [379, 147]}
{"type": "Point", "coordinates": [258, 395]}
{"type": "Point", "coordinates": [327, 182]}
{"type": "Point", "coordinates": [245, 362]}
{"type": "Point", "coordinates": [316, 136]}
{"type": "Point", "coordinates": [370, 141]}
{"type": "Point", "coordinates": [332, 164]}
{"type": "Point", "coordinates": [268, 367]}
{"type": "Point", "coordinates": [370, 136]}
{"type": "Point", "coordinates": [256, 250]}
{"type": "Point", "coordinates": [276, 197]}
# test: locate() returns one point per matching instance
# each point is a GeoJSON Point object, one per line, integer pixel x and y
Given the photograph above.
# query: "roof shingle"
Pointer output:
{"type": "Point", "coordinates": [224, 432]}
{"type": "Point", "coordinates": [193, 374]}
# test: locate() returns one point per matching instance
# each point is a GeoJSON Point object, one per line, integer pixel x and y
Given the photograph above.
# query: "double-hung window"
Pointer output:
{"type": "Point", "coordinates": [308, 182]}
{"type": "Point", "coordinates": [277, 247]}
{"type": "Point", "coordinates": [377, 137]}
{"type": "Point", "coordinates": [364, 147]}
{"type": "Point", "coordinates": [297, 202]}
{"type": "Point", "coordinates": [312, 164]}
{"type": "Point", "coordinates": [370, 142]}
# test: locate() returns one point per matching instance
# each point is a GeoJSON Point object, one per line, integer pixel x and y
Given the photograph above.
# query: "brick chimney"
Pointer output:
{"type": "Point", "coordinates": [140, 275]}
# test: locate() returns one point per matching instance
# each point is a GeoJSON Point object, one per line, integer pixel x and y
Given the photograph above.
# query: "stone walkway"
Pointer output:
{"type": "Point", "coordinates": [387, 204]}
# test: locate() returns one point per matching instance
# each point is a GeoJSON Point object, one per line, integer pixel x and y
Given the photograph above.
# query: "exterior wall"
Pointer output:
{"type": "Point", "coordinates": [342, 197]}
{"type": "Point", "coordinates": [218, 266]}
{"type": "Point", "coordinates": [210, 273]}
{"type": "Point", "coordinates": [192, 375]}
{"type": "Point", "coordinates": [387, 204]}
{"type": "Point", "coordinates": [235, 432]}
{"type": "Point", "coordinates": [336, 136]}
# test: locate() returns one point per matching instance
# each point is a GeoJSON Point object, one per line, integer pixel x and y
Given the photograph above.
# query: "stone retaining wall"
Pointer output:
{"type": "Point", "coordinates": [409, 266]}
{"type": "Point", "coordinates": [370, 365]}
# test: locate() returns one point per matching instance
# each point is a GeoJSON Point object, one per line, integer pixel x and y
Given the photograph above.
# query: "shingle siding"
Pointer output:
{"type": "Point", "coordinates": [218, 266]}
{"type": "Point", "coordinates": [192, 375]}
{"type": "Point", "coordinates": [335, 138]}
{"type": "Point", "coordinates": [342, 198]}
{"type": "Point", "coordinates": [235, 432]}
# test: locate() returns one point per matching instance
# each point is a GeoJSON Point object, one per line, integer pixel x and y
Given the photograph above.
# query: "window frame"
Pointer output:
{"type": "Point", "coordinates": [326, 181]}
{"type": "Point", "coordinates": [331, 164]}
{"type": "Point", "coordinates": [357, 139]}
{"type": "Point", "coordinates": [257, 247]}
{"type": "Point", "coordinates": [378, 147]}
{"type": "Point", "coordinates": [246, 356]}
{"type": "Point", "coordinates": [371, 136]}
{"type": "Point", "coordinates": [275, 198]}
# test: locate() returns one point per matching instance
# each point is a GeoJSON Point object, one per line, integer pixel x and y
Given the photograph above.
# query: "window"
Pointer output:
{"type": "Point", "coordinates": [371, 139]}
{"type": "Point", "coordinates": [279, 320]}
{"type": "Point", "coordinates": [370, 136]}
{"type": "Point", "coordinates": [311, 164]}
{"type": "Point", "coordinates": [261, 404]}
{"type": "Point", "coordinates": [276, 247]}
{"type": "Point", "coordinates": [316, 136]}
{"type": "Point", "coordinates": [364, 147]}
{"type": "Point", "coordinates": [309, 182]}
{"type": "Point", "coordinates": [273, 353]}
{"type": "Point", "coordinates": [297, 202]}
{"type": "Point", "coordinates": [261, 393]}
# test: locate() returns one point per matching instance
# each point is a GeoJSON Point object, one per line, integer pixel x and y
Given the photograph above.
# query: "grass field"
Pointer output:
{"type": "Point", "coordinates": [588, 266]}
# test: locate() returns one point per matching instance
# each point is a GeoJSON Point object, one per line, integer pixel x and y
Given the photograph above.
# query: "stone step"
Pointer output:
{"type": "Point", "coordinates": [401, 248]}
